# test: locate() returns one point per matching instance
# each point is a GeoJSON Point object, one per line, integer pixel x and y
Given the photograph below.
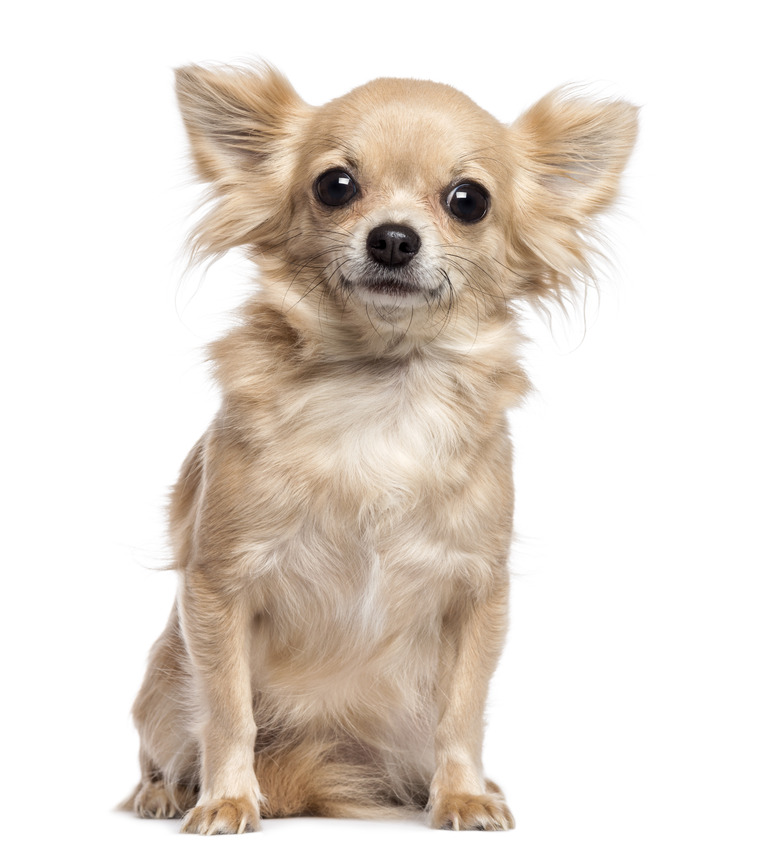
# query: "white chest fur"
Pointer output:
{"type": "Point", "coordinates": [378, 435]}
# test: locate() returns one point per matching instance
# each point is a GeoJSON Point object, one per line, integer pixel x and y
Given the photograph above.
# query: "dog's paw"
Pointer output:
{"type": "Point", "coordinates": [229, 816]}
{"type": "Point", "coordinates": [471, 811]}
{"type": "Point", "coordinates": [153, 800]}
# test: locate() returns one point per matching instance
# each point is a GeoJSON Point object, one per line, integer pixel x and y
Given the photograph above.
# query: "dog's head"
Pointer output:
{"type": "Point", "coordinates": [402, 196]}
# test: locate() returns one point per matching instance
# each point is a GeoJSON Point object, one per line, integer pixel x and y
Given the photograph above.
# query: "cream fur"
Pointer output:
{"type": "Point", "coordinates": [342, 529]}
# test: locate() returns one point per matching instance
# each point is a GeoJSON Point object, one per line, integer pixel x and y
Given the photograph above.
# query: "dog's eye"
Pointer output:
{"type": "Point", "coordinates": [335, 188]}
{"type": "Point", "coordinates": [468, 202]}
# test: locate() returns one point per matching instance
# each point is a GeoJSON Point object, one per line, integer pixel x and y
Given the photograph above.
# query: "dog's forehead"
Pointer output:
{"type": "Point", "coordinates": [406, 128]}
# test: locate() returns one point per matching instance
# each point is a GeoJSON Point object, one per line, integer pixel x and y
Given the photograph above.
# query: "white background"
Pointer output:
{"type": "Point", "coordinates": [638, 701]}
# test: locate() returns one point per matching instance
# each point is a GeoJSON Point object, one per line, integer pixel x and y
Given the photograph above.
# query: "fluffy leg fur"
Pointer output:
{"type": "Point", "coordinates": [460, 796]}
{"type": "Point", "coordinates": [217, 633]}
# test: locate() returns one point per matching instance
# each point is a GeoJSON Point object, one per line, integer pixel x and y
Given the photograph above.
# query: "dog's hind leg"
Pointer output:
{"type": "Point", "coordinates": [155, 798]}
{"type": "Point", "coordinates": [163, 715]}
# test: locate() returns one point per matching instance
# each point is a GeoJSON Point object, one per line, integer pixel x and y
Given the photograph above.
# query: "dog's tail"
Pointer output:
{"type": "Point", "coordinates": [316, 778]}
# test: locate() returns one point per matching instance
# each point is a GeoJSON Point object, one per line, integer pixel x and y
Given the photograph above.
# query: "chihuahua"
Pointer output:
{"type": "Point", "coordinates": [342, 529]}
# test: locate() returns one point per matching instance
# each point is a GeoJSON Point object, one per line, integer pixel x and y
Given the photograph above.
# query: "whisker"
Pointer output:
{"type": "Point", "coordinates": [307, 264]}
{"type": "Point", "coordinates": [460, 246]}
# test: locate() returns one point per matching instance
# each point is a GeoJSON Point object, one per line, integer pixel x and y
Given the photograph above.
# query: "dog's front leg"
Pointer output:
{"type": "Point", "coordinates": [472, 637]}
{"type": "Point", "coordinates": [216, 630]}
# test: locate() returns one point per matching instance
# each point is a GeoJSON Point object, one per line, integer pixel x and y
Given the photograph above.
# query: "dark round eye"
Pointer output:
{"type": "Point", "coordinates": [468, 202]}
{"type": "Point", "coordinates": [335, 188]}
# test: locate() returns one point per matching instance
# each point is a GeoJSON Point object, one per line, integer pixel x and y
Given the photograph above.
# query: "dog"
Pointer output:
{"type": "Point", "coordinates": [342, 529]}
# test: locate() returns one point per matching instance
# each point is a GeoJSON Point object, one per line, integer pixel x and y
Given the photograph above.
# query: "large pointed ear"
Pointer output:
{"type": "Point", "coordinates": [572, 153]}
{"type": "Point", "coordinates": [578, 148]}
{"type": "Point", "coordinates": [244, 128]}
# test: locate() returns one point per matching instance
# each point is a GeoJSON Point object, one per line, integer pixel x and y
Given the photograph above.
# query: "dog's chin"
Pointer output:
{"type": "Point", "coordinates": [387, 293]}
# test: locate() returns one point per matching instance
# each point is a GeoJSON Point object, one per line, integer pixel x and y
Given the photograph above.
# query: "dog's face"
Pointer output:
{"type": "Point", "coordinates": [403, 195]}
{"type": "Point", "coordinates": [400, 195]}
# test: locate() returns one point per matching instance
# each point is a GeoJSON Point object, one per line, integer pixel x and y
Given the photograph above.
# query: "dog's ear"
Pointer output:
{"type": "Point", "coordinates": [577, 148]}
{"type": "Point", "coordinates": [572, 152]}
{"type": "Point", "coordinates": [235, 117]}
{"type": "Point", "coordinates": [243, 124]}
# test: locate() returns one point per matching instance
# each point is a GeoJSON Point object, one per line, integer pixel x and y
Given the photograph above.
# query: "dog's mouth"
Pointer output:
{"type": "Point", "coordinates": [386, 290]}
{"type": "Point", "coordinates": [397, 287]}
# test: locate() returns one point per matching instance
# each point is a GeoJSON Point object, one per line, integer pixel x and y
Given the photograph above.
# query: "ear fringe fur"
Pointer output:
{"type": "Point", "coordinates": [241, 123]}
{"type": "Point", "coordinates": [573, 151]}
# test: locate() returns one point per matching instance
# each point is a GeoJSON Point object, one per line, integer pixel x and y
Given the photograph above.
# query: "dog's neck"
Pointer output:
{"type": "Point", "coordinates": [306, 339]}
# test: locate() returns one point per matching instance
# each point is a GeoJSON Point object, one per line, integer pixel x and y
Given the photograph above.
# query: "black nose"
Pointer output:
{"type": "Point", "coordinates": [392, 244]}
